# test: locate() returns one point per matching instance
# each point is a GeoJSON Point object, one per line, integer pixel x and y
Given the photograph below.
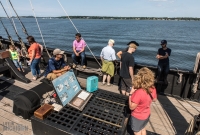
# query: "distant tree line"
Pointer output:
{"type": "Point", "coordinates": [122, 18]}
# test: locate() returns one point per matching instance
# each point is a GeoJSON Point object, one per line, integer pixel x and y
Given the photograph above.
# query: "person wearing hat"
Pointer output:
{"type": "Point", "coordinates": [163, 61]}
{"type": "Point", "coordinates": [127, 68]}
{"type": "Point", "coordinates": [108, 57]}
{"type": "Point", "coordinates": [56, 65]}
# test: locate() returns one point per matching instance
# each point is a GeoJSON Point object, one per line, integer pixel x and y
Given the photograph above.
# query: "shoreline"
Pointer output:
{"type": "Point", "coordinates": [119, 18]}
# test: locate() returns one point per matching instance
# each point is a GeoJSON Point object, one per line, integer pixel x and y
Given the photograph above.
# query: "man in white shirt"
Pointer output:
{"type": "Point", "coordinates": [108, 57]}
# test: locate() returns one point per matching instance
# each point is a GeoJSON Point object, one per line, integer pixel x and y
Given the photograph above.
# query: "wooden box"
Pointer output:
{"type": "Point", "coordinates": [4, 54]}
{"type": "Point", "coordinates": [43, 111]}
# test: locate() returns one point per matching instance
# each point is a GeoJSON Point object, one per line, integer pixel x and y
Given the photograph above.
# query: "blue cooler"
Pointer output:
{"type": "Point", "coordinates": [92, 83]}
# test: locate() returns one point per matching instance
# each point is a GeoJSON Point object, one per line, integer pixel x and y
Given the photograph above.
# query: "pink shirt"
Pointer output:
{"type": "Point", "coordinates": [79, 45]}
{"type": "Point", "coordinates": [143, 101]}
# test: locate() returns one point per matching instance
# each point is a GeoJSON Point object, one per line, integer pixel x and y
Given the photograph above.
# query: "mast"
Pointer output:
{"type": "Point", "coordinates": [9, 37]}
{"type": "Point", "coordinates": [23, 47]}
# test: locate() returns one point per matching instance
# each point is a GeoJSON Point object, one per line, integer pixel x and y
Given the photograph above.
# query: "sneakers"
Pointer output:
{"type": "Point", "coordinates": [74, 65]}
{"type": "Point", "coordinates": [34, 78]}
{"type": "Point", "coordinates": [103, 83]}
{"type": "Point", "coordinates": [84, 66]}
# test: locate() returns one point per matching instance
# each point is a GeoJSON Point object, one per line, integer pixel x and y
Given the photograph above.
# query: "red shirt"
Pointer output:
{"type": "Point", "coordinates": [143, 101]}
{"type": "Point", "coordinates": [36, 47]}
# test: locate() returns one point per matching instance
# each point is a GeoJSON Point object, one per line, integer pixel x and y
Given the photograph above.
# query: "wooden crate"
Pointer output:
{"type": "Point", "coordinates": [43, 111]}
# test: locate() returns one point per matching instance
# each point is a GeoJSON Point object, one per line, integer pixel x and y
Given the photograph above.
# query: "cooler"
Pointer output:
{"type": "Point", "coordinates": [92, 83]}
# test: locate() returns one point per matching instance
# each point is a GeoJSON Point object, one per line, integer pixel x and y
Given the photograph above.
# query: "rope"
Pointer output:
{"type": "Point", "coordinates": [78, 32]}
{"type": "Point", "coordinates": [11, 16]}
{"type": "Point", "coordinates": [39, 29]}
{"type": "Point", "coordinates": [180, 78]}
{"type": "Point", "coordinates": [23, 27]}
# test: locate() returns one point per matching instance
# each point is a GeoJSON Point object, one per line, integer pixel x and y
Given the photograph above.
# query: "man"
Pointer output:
{"type": "Point", "coordinates": [56, 66]}
{"type": "Point", "coordinates": [108, 57]}
{"type": "Point", "coordinates": [163, 63]}
{"type": "Point", "coordinates": [127, 68]}
{"type": "Point", "coordinates": [78, 50]}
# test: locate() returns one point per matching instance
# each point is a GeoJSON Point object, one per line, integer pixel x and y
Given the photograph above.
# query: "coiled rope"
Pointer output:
{"type": "Point", "coordinates": [39, 29]}
{"type": "Point", "coordinates": [78, 32]}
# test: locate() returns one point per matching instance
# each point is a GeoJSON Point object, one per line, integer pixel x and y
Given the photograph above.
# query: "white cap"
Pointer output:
{"type": "Point", "coordinates": [57, 51]}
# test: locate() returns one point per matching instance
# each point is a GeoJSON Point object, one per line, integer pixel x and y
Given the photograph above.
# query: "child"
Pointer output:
{"type": "Point", "coordinates": [15, 57]}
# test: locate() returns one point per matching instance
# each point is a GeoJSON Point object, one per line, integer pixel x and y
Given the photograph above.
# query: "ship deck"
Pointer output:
{"type": "Point", "coordinates": [169, 115]}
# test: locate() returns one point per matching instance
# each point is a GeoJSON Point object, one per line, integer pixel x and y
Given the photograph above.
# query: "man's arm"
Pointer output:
{"type": "Point", "coordinates": [163, 57]}
{"type": "Point", "coordinates": [119, 54]}
{"type": "Point", "coordinates": [131, 72]}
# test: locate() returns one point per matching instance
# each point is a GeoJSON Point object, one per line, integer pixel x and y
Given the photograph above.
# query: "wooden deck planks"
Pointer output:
{"type": "Point", "coordinates": [161, 120]}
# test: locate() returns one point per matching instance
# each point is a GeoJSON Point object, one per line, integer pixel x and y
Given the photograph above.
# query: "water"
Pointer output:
{"type": "Point", "coordinates": [182, 36]}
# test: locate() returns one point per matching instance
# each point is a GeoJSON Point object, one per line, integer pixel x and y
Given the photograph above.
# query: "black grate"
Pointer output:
{"type": "Point", "coordinates": [104, 114]}
{"type": "Point", "coordinates": [65, 118]}
{"type": "Point", "coordinates": [89, 126]}
{"type": "Point", "coordinates": [113, 97]}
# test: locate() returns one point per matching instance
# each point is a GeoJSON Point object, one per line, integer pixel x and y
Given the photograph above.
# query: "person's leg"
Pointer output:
{"type": "Point", "coordinates": [82, 58]}
{"type": "Point", "coordinates": [108, 79]}
{"type": "Point", "coordinates": [104, 78]}
{"type": "Point", "coordinates": [33, 69]}
{"type": "Point", "coordinates": [143, 131]}
{"type": "Point", "coordinates": [16, 64]}
{"type": "Point", "coordinates": [37, 67]}
{"type": "Point", "coordinates": [123, 86]}
{"type": "Point", "coordinates": [160, 69]}
{"type": "Point", "coordinates": [138, 133]}
{"type": "Point", "coordinates": [166, 71]}
{"type": "Point", "coordinates": [51, 76]}
{"type": "Point", "coordinates": [74, 58]}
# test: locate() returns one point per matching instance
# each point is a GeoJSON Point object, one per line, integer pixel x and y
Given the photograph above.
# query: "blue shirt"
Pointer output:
{"type": "Point", "coordinates": [108, 53]}
{"type": "Point", "coordinates": [54, 65]}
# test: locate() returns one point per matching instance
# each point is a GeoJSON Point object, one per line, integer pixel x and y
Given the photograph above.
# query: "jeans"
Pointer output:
{"type": "Point", "coordinates": [35, 69]}
{"type": "Point", "coordinates": [82, 55]}
{"type": "Point", "coordinates": [17, 64]}
{"type": "Point", "coordinates": [163, 67]}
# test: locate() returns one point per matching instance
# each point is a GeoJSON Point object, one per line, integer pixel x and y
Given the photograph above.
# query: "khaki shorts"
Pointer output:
{"type": "Point", "coordinates": [52, 76]}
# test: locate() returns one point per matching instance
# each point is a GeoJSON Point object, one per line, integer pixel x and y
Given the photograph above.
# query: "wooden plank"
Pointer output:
{"type": "Point", "coordinates": [12, 128]}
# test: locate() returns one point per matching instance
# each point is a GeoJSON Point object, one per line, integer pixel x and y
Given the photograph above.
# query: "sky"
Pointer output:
{"type": "Point", "coordinates": [115, 8]}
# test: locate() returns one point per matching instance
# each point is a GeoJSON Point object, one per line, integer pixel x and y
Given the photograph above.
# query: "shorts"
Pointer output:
{"type": "Point", "coordinates": [52, 76]}
{"type": "Point", "coordinates": [137, 125]}
{"type": "Point", "coordinates": [126, 84]}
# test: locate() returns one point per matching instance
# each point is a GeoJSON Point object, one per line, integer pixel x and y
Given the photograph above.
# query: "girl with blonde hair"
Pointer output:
{"type": "Point", "coordinates": [141, 96]}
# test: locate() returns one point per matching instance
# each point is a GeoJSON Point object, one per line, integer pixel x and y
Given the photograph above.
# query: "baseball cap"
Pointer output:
{"type": "Point", "coordinates": [163, 42]}
{"type": "Point", "coordinates": [133, 42]}
{"type": "Point", "coordinates": [57, 51]}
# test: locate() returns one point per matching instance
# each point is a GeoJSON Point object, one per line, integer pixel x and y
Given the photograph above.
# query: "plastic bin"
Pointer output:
{"type": "Point", "coordinates": [92, 83]}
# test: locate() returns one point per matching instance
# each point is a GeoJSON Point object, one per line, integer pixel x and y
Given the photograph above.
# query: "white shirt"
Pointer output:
{"type": "Point", "coordinates": [108, 53]}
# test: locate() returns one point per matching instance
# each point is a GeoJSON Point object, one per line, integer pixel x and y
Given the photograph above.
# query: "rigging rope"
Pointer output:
{"type": "Point", "coordinates": [23, 27]}
{"type": "Point", "coordinates": [39, 29]}
{"type": "Point", "coordinates": [11, 17]}
{"type": "Point", "coordinates": [78, 32]}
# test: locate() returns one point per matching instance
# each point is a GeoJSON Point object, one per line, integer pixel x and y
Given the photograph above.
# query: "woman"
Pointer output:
{"type": "Point", "coordinates": [34, 53]}
{"type": "Point", "coordinates": [140, 99]}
